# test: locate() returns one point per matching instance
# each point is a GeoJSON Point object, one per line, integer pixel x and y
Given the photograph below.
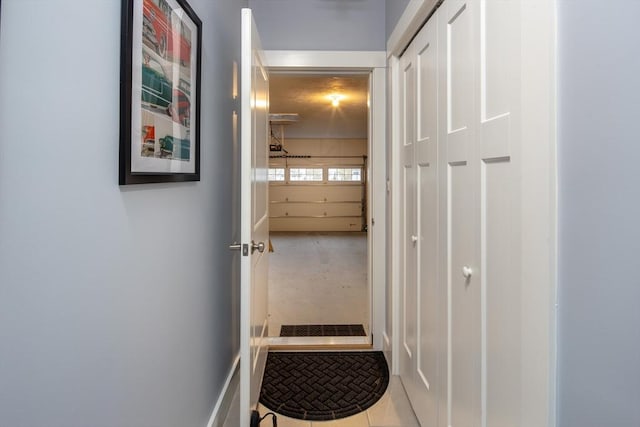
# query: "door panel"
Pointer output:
{"type": "Point", "coordinates": [456, 35]}
{"type": "Point", "coordinates": [408, 287]}
{"type": "Point", "coordinates": [254, 217]}
{"type": "Point", "coordinates": [464, 300]}
{"type": "Point", "coordinates": [499, 38]}
{"type": "Point", "coordinates": [459, 51]}
{"type": "Point", "coordinates": [499, 214]}
{"type": "Point", "coordinates": [501, 296]}
{"type": "Point", "coordinates": [425, 376]}
{"type": "Point", "coordinates": [456, 31]}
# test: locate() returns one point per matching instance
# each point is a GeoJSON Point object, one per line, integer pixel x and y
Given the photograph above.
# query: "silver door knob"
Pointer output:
{"type": "Point", "coordinates": [257, 246]}
{"type": "Point", "coordinates": [414, 239]}
{"type": "Point", "coordinates": [467, 272]}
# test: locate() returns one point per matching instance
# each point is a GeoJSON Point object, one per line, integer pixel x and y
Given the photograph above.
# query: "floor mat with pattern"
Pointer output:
{"type": "Point", "coordinates": [323, 386]}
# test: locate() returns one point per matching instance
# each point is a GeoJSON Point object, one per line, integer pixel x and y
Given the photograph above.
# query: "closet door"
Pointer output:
{"type": "Point", "coordinates": [459, 184]}
{"type": "Point", "coordinates": [408, 285]}
{"type": "Point", "coordinates": [479, 45]}
{"type": "Point", "coordinates": [499, 165]}
{"type": "Point", "coordinates": [429, 295]}
{"type": "Point", "coordinates": [421, 293]}
{"type": "Point", "coordinates": [475, 331]}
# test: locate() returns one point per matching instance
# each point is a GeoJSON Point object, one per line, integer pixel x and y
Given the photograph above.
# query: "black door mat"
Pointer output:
{"type": "Point", "coordinates": [322, 386]}
{"type": "Point", "coordinates": [322, 331]}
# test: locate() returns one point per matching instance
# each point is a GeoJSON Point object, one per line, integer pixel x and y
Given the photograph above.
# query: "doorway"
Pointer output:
{"type": "Point", "coordinates": [322, 213]}
{"type": "Point", "coordinates": [318, 278]}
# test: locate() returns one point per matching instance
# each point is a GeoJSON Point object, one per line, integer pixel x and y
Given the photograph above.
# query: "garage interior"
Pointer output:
{"type": "Point", "coordinates": [318, 200]}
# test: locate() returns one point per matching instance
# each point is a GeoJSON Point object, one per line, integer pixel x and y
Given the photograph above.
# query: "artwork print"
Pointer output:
{"type": "Point", "coordinates": [160, 138]}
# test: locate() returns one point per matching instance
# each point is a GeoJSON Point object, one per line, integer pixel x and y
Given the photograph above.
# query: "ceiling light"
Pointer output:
{"type": "Point", "coordinates": [335, 99]}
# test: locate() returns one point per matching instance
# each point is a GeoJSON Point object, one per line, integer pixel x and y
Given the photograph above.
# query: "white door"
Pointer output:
{"type": "Point", "coordinates": [461, 287]}
{"type": "Point", "coordinates": [504, 334]}
{"type": "Point", "coordinates": [479, 44]}
{"type": "Point", "coordinates": [408, 286]}
{"type": "Point", "coordinates": [421, 295]}
{"type": "Point", "coordinates": [428, 298]}
{"type": "Point", "coordinates": [254, 217]}
{"type": "Point", "coordinates": [456, 24]}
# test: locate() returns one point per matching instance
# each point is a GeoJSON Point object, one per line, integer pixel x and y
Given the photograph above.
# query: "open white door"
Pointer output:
{"type": "Point", "coordinates": [254, 217]}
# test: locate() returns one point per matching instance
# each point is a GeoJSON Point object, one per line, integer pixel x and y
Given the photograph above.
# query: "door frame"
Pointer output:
{"type": "Point", "coordinates": [539, 160]}
{"type": "Point", "coordinates": [373, 62]}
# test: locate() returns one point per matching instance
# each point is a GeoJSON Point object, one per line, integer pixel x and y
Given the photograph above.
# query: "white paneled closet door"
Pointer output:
{"type": "Point", "coordinates": [498, 159]}
{"type": "Point", "coordinates": [461, 293]}
{"type": "Point", "coordinates": [460, 199]}
{"type": "Point", "coordinates": [409, 283]}
{"type": "Point", "coordinates": [420, 293]}
{"type": "Point", "coordinates": [429, 309]}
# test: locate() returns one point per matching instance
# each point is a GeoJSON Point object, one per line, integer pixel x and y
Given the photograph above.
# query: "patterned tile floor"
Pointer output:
{"type": "Point", "coordinates": [392, 410]}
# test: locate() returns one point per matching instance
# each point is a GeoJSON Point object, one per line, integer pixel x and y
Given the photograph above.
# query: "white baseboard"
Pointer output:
{"type": "Point", "coordinates": [221, 408]}
{"type": "Point", "coordinates": [386, 350]}
{"type": "Point", "coordinates": [386, 342]}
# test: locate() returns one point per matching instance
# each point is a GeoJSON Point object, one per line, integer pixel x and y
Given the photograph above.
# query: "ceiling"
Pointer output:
{"type": "Point", "coordinates": [308, 95]}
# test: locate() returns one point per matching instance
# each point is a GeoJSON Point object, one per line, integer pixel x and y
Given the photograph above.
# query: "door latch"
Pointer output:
{"type": "Point", "coordinates": [239, 246]}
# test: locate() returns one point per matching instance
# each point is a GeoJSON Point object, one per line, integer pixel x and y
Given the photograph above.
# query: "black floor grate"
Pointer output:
{"type": "Point", "coordinates": [322, 331]}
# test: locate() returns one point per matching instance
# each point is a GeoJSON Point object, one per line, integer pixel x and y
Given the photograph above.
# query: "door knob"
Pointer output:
{"type": "Point", "coordinates": [467, 272]}
{"type": "Point", "coordinates": [257, 246]}
{"type": "Point", "coordinates": [414, 239]}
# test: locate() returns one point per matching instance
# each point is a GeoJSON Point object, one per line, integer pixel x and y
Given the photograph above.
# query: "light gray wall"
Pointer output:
{"type": "Point", "coordinates": [599, 201]}
{"type": "Point", "coordinates": [394, 10]}
{"type": "Point", "coordinates": [117, 306]}
{"type": "Point", "coordinates": [320, 24]}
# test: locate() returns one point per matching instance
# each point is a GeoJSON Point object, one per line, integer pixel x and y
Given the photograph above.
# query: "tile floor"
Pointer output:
{"type": "Point", "coordinates": [317, 278]}
{"type": "Point", "coordinates": [392, 410]}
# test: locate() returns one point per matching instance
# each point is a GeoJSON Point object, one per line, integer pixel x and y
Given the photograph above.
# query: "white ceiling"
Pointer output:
{"type": "Point", "coordinates": [308, 95]}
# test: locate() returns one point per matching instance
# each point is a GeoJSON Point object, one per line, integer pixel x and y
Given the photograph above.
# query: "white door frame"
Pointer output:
{"type": "Point", "coordinates": [539, 162]}
{"type": "Point", "coordinates": [375, 63]}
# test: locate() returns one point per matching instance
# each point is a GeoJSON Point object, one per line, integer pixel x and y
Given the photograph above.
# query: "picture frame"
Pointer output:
{"type": "Point", "coordinates": [160, 75]}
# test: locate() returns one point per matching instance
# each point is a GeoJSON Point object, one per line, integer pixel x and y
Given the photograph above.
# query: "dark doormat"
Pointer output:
{"type": "Point", "coordinates": [322, 386]}
{"type": "Point", "coordinates": [322, 331]}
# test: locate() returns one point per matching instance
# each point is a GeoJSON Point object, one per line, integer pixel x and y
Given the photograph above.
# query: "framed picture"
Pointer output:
{"type": "Point", "coordinates": [159, 92]}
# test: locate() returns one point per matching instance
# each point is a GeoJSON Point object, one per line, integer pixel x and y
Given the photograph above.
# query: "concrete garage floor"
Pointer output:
{"type": "Point", "coordinates": [318, 278]}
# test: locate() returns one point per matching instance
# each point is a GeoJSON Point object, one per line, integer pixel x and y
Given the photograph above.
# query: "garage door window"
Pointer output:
{"type": "Point", "coordinates": [305, 174]}
{"type": "Point", "coordinates": [276, 174]}
{"type": "Point", "coordinates": [345, 174]}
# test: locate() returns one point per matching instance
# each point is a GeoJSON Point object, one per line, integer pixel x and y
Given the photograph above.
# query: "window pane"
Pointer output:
{"type": "Point", "coordinates": [345, 174]}
{"type": "Point", "coordinates": [276, 174]}
{"type": "Point", "coordinates": [305, 174]}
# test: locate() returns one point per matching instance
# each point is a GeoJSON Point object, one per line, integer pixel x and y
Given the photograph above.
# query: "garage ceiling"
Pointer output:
{"type": "Point", "coordinates": [309, 95]}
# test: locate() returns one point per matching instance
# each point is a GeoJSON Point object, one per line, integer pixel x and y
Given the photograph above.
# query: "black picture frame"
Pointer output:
{"type": "Point", "coordinates": [160, 75]}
